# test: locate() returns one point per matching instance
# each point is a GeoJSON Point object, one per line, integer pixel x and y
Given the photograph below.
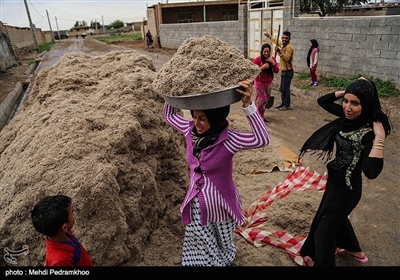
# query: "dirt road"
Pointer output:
{"type": "Point", "coordinates": [94, 48]}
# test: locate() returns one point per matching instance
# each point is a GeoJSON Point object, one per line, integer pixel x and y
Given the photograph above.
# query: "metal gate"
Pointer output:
{"type": "Point", "coordinates": [263, 16]}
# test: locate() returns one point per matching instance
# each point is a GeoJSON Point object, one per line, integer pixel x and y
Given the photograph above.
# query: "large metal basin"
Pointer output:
{"type": "Point", "coordinates": [206, 101]}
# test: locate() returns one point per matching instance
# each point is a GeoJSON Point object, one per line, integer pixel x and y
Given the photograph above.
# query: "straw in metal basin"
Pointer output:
{"type": "Point", "coordinates": [205, 101]}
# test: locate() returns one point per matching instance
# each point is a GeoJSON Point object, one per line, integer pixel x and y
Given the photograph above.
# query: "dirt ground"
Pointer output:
{"type": "Point", "coordinates": [376, 219]}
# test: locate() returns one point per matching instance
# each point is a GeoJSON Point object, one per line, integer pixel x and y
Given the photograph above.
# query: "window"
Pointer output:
{"type": "Point", "coordinates": [229, 15]}
{"type": "Point", "coordinates": [185, 17]}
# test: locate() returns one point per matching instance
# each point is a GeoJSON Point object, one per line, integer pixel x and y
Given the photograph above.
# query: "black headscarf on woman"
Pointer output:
{"type": "Point", "coordinates": [268, 71]}
{"type": "Point", "coordinates": [217, 119]}
{"type": "Point", "coordinates": [323, 139]}
{"type": "Point", "coordinates": [314, 45]}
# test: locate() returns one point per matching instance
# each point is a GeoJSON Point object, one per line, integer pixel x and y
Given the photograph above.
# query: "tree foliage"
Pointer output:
{"type": "Point", "coordinates": [117, 24]}
{"type": "Point", "coordinates": [80, 23]}
{"type": "Point", "coordinates": [95, 24]}
{"type": "Point", "coordinates": [324, 7]}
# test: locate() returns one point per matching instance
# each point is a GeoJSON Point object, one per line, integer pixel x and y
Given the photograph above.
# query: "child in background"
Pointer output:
{"type": "Point", "coordinates": [312, 61]}
{"type": "Point", "coordinates": [53, 217]}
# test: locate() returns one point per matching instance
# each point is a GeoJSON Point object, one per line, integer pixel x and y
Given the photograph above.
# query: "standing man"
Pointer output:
{"type": "Point", "coordinates": [285, 51]}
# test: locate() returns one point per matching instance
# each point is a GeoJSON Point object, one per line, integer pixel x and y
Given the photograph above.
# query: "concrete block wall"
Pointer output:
{"type": "Point", "coordinates": [349, 45]}
{"type": "Point", "coordinates": [232, 32]}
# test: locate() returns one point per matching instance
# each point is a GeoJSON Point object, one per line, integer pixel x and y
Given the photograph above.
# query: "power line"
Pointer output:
{"type": "Point", "coordinates": [71, 11]}
{"type": "Point", "coordinates": [19, 13]}
{"type": "Point", "coordinates": [30, 2]}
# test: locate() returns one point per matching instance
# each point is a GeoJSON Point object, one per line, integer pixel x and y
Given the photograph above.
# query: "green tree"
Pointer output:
{"type": "Point", "coordinates": [325, 7]}
{"type": "Point", "coordinates": [117, 24]}
{"type": "Point", "coordinates": [95, 24]}
{"type": "Point", "coordinates": [80, 23]}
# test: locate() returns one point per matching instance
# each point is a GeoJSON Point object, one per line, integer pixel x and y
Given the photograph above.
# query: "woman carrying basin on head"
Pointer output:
{"type": "Point", "coordinates": [211, 209]}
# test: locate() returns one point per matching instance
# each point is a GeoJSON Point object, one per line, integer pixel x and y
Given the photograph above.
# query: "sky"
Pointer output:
{"type": "Point", "coordinates": [65, 13]}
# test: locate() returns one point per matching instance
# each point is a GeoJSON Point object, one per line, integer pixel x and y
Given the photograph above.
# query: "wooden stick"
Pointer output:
{"type": "Point", "coordinates": [277, 38]}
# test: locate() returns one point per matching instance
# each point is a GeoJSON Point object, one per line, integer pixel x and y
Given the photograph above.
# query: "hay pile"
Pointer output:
{"type": "Point", "coordinates": [93, 129]}
{"type": "Point", "coordinates": [203, 65]}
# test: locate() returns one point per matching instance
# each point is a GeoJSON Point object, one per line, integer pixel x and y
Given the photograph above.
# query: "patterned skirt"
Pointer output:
{"type": "Point", "coordinates": [263, 94]}
{"type": "Point", "coordinates": [211, 245]}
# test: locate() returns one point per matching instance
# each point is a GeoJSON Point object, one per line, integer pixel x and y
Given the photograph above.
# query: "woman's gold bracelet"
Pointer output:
{"type": "Point", "coordinates": [379, 140]}
{"type": "Point", "coordinates": [377, 147]}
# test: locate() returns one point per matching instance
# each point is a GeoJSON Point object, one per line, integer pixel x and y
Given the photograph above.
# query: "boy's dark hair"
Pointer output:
{"type": "Point", "coordinates": [50, 213]}
{"type": "Point", "coordinates": [287, 33]}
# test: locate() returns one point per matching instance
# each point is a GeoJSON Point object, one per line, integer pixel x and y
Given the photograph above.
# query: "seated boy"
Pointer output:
{"type": "Point", "coordinates": [53, 217]}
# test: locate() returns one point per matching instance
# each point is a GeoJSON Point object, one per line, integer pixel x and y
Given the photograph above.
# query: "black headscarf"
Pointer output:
{"type": "Point", "coordinates": [323, 139]}
{"type": "Point", "coordinates": [269, 70]}
{"type": "Point", "coordinates": [217, 119]}
{"type": "Point", "coordinates": [371, 106]}
{"type": "Point", "coordinates": [314, 45]}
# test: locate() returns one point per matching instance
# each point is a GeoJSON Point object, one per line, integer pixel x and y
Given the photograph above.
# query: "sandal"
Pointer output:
{"type": "Point", "coordinates": [340, 251]}
{"type": "Point", "coordinates": [360, 260]}
{"type": "Point", "coordinates": [308, 261]}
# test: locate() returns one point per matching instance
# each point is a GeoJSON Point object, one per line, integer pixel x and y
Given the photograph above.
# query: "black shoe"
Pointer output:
{"type": "Point", "coordinates": [279, 106]}
{"type": "Point", "coordinates": [284, 108]}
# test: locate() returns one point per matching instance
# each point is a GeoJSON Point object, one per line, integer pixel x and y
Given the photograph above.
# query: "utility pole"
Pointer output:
{"type": "Point", "coordinates": [102, 19]}
{"type": "Point", "coordinates": [59, 36]}
{"type": "Point", "coordinates": [51, 30]}
{"type": "Point", "coordinates": [32, 26]}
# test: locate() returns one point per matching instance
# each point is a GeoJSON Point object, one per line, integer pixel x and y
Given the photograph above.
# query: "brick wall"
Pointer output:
{"type": "Point", "coordinates": [21, 39]}
{"type": "Point", "coordinates": [42, 37]}
{"type": "Point", "coordinates": [20, 43]}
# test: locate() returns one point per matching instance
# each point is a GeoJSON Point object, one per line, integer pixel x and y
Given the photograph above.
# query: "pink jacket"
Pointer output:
{"type": "Point", "coordinates": [217, 193]}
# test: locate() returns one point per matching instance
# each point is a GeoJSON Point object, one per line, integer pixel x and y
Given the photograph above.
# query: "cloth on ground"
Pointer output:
{"type": "Point", "coordinates": [288, 161]}
{"type": "Point", "coordinates": [256, 229]}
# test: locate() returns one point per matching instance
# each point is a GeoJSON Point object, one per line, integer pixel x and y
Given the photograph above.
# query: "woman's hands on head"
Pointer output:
{"type": "Point", "coordinates": [246, 91]}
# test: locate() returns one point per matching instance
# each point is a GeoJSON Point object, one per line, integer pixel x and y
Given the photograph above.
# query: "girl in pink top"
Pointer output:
{"type": "Point", "coordinates": [312, 61]}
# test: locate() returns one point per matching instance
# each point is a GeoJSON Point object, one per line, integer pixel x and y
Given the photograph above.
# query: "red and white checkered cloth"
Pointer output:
{"type": "Point", "coordinates": [256, 229]}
